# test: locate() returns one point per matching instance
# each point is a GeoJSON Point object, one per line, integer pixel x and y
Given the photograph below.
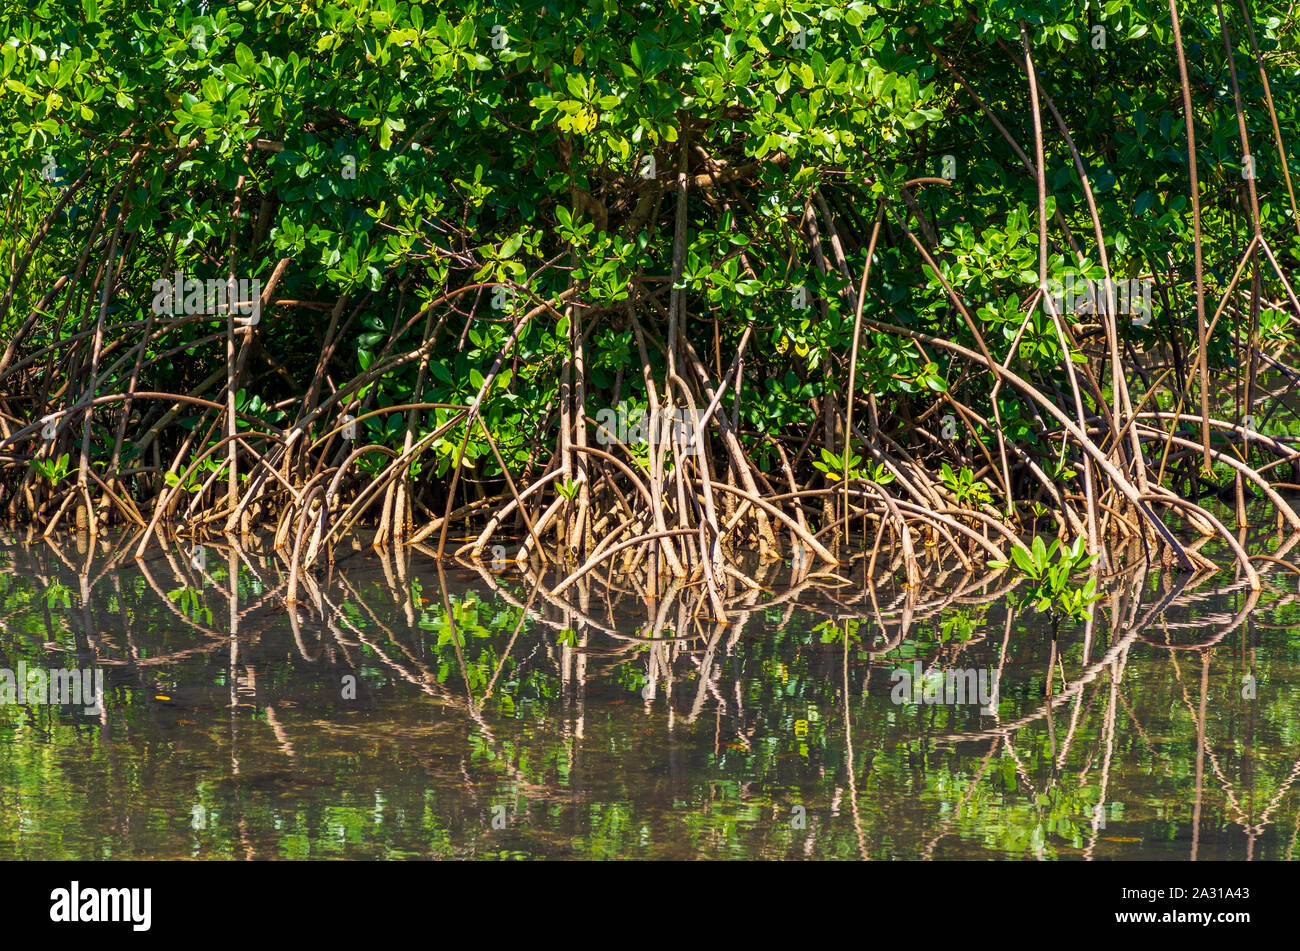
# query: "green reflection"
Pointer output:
{"type": "Point", "coordinates": [404, 713]}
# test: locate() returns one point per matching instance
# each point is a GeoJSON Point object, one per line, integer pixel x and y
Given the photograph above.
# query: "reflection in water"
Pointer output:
{"type": "Point", "coordinates": [401, 710]}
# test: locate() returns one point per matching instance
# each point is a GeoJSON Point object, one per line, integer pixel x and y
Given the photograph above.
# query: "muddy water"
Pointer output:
{"type": "Point", "coordinates": [404, 712]}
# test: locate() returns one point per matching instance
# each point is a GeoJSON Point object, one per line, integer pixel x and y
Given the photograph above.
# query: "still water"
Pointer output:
{"type": "Point", "coordinates": [407, 712]}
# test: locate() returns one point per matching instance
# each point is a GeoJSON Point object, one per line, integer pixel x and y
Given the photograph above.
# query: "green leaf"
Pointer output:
{"type": "Point", "coordinates": [244, 58]}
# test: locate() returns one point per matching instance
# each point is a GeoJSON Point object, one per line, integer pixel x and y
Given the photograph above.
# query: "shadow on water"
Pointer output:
{"type": "Point", "coordinates": [401, 710]}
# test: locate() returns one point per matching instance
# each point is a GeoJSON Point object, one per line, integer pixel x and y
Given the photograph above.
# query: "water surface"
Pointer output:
{"type": "Point", "coordinates": [404, 712]}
